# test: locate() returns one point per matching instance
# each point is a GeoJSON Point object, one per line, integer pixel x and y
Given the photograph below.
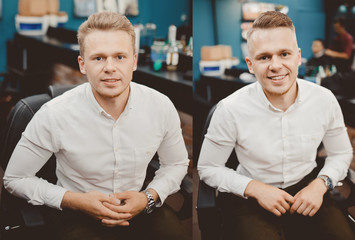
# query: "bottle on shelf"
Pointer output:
{"type": "Point", "coordinates": [172, 56]}
{"type": "Point", "coordinates": [189, 49]}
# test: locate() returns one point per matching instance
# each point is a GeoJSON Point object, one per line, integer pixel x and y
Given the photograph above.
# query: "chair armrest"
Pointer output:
{"type": "Point", "coordinates": [32, 216]}
{"type": "Point", "coordinates": [206, 197]}
{"type": "Point", "coordinates": [350, 201]}
{"type": "Point", "coordinates": [186, 191]}
{"type": "Point", "coordinates": [18, 218]}
{"type": "Point", "coordinates": [209, 216]}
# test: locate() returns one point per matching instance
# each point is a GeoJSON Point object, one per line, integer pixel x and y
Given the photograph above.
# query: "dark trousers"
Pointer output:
{"type": "Point", "coordinates": [245, 219]}
{"type": "Point", "coordinates": [161, 224]}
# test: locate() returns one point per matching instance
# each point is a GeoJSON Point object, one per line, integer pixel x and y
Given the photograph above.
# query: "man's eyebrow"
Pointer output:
{"type": "Point", "coordinates": [262, 54]}
{"type": "Point", "coordinates": [266, 53]}
{"type": "Point", "coordinates": [105, 54]}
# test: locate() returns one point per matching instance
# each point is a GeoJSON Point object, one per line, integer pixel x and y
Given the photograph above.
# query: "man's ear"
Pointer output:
{"type": "Point", "coordinates": [135, 62]}
{"type": "Point", "coordinates": [81, 64]}
{"type": "Point", "coordinates": [299, 57]}
{"type": "Point", "coordinates": [250, 65]}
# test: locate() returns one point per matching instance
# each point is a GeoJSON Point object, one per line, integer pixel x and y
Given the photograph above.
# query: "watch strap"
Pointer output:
{"type": "Point", "coordinates": [151, 203]}
{"type": "Point", "coordinates": [328, 182]}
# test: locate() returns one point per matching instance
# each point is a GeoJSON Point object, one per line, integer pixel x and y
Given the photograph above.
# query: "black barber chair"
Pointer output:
{"type": "Point", "coordinates": [18, 219]}
{"type": "Point", "coordinates": [209, 211]}
{"type": "Point", "coordinates": [21, 220]}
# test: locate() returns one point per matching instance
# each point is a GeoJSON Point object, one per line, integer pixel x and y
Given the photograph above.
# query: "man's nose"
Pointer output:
{"type": "Point", "coordinates": [109, 65]}
{"type": "Point", "coordinates": [275, 63]}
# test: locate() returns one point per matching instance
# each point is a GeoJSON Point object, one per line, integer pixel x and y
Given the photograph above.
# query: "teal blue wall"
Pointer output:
{"type": "Point", "coordinates": [7, 28]}
{"type": "Point", "coordinates": [203, 30]}
{"type": "Point", "coordinates": [161, 12]}
{"type": "Point", "coordinates": [307, 16]}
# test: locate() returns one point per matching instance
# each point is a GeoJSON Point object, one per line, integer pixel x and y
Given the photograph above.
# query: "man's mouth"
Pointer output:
{"type": "Point", "coordinates": [278, 77]}
{"type": "Point", "coordinates": [110, 80]}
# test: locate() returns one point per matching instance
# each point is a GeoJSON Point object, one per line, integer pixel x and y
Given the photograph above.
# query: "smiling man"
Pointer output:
{"type": "Point", "coordinates": [104, 134]}
{"type": "Point", "coordinates": [275, 126]}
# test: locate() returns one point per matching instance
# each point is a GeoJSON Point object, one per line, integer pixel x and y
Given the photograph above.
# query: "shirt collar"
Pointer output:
{"type": "Point", "coordinates": [267, 103]}
{"type": "Point", "coordinates": [100, 110]}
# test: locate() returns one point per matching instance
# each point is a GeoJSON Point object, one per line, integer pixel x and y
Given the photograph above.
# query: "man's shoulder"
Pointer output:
{"type": "Point", "coordinates": [310, 85]}
{"type": "Point", "coordinates": [68, 98]}
{"type": "Point", "coordinates": [148, 94]}
{"type": "Point", "coordinates": [314, 91]}
{"type": "Point", "coordinates": [241, 95]}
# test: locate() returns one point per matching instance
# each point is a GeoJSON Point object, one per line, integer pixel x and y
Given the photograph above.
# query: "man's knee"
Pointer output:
{"type": "Point", "coordinates": [164, 224]}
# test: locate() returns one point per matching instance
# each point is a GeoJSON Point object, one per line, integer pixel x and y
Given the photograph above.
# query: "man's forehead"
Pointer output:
{"type": "Point", "coordinates": [265, 40]}
{"type": "Point", "coordinates": [262, 32]}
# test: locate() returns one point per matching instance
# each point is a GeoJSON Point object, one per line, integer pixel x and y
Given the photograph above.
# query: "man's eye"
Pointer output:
{"type": "Point", "coordinates": [263, 58]}
{"type": "Point", "coordinates": [120, 57]}
{"type": "Point", "coordinates": [284, 54]}
{"type": "Point", "coordinates": [98, 58]}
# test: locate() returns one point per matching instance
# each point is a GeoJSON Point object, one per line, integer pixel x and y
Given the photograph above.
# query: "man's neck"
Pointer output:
{"type": "Point", "coordinates": [115, 105]}
{"type": "Point", "coordinates": [283, 101]}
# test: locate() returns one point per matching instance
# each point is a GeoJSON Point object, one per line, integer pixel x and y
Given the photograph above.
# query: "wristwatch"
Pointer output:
{"type": "Point", "coordinates": [151, 203]}
{"type": "Point", "coordinates": [328, 182]}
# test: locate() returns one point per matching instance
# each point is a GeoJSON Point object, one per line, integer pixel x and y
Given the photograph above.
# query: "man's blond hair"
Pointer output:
{"type": "Point", "coordinates": [269, 20]}
{"type": "Point", "coordinates": [105, 21]}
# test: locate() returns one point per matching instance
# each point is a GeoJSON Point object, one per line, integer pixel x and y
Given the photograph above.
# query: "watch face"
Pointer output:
{"type": "Point", "coordinates": [330, 184]}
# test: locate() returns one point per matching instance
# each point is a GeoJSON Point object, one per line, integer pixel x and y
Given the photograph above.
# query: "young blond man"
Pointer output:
{"type": "Point", "coordinates": [104, 134]}
{"type": "Point", "coordinates": [275, 126]}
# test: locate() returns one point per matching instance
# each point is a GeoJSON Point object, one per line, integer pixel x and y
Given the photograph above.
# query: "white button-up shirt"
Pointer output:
{"type": "Point", "coordinates": [276, 147]}
{"type": "Point", "coordinates": [95, 152]}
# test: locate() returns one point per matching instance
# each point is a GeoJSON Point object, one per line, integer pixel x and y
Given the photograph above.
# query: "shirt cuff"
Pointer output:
{"type": "Point", "coordinates": [55, 196]}
{"type": "Point", "coordinates": [163, 194]}
{"type": "Point", "coordinates": [237, 186]}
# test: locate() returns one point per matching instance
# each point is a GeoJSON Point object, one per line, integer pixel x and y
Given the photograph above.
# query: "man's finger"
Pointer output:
{"type": "Point", "coordinates": [276, 212]}
{"type": "Point", "coordinates": [290, 199]}
{"type": "Point", "coordinates": [295, 206]}
{"type": "Point", "coordinates": [114, 200]}
{"type": "Point", "coordinates": [313, 212]}
{"type": "Point", "coordinates": [301, 208]}
{"type": "Point", "coordinates": [117, 215]}
{"type": "Point", "coordinates": [281, 209]}
{"type": "Point", "coordinates": [285, 205]}
{"type": "Point", "coordinates": [307, 211]}
{"type": "Point", "coordinates": [113, 223]}
{"type": "Point", "coordinates": [123, 195]}
{"type": "Point", "coordinates": [118, 209]}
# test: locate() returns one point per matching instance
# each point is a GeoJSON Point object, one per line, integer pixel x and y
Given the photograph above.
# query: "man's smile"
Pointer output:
{"type": "Point", "coordinates": [277, 77]}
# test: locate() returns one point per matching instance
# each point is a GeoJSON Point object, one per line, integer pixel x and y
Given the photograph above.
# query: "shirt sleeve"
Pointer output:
{"type": "Point", "coordinates": [217, 146]}
{"type": "Point", "coordinates": [173, 158]}
{"type": "Point", "coordinates": [337, 145]}
{"type": "Point", "coordinates": [35, 147]}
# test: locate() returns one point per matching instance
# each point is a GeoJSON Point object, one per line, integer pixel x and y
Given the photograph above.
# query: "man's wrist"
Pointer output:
{"type": "Point", "coordinates": [326, 181]}
{"type": "Point", "coordinates": [68, 200]}
{"type": "Point", "coordinates": [251, 188]}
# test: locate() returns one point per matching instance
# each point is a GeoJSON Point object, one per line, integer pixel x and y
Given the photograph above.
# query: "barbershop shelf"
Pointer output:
{"type": "Point", "coordinates": [170, 83]}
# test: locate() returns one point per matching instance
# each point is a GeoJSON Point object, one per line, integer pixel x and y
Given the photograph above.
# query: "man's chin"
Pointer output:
{"type": "Point", "coordinates": [109, 95]}
{"type": "Point", "coordinates": [277, 91]}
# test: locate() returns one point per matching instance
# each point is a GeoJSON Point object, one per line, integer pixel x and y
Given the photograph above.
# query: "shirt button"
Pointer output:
{"type": "Point", "coordinates": [115, 125]}
{"type": "Point", "coordinates": [116, 149]}
{"type": "Point", "coordinates": [116, 172]}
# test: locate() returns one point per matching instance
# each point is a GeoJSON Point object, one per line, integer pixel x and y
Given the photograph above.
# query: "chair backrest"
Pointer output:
{"type": "Point", "coordinates": [18, 119]}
